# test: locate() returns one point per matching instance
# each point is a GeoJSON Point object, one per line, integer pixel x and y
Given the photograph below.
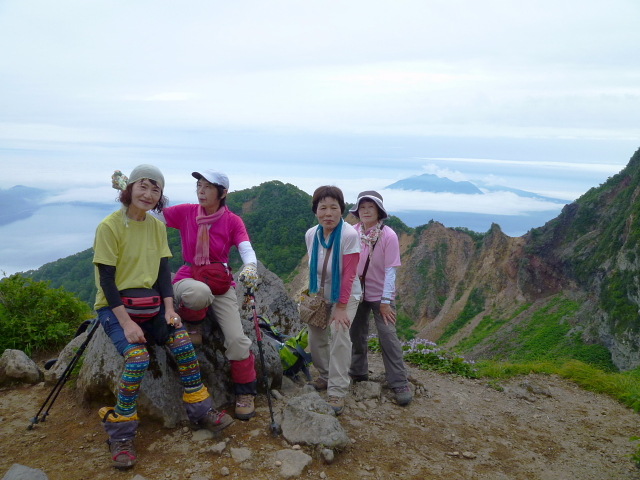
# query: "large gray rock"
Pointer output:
{"type": "Point", "coordinates": [65, 357]}
{"type": "Point", "coordinates": [367, 391]}
{"type": "Point", "coordinates": [20, 472]}
{"type": "Point", "coordinates": [293, 462]}
{"type": "Point", "coordinates": [309, 420]}
{"type": "Point", "coordinates": [161, 389]}
{"type": "Point", "coordinates": [16, 366]}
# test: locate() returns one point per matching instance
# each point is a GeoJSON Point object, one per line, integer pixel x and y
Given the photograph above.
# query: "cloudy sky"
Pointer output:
{"type": "Point", "coordinates": [542, 96]}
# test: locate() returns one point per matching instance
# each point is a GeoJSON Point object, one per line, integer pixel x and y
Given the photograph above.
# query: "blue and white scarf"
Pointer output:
{"type": "Point", "coordinates": [334, 242]}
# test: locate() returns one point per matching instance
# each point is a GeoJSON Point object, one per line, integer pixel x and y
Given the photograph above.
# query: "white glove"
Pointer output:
{"type": "Point", "coordinates": [249, 277]}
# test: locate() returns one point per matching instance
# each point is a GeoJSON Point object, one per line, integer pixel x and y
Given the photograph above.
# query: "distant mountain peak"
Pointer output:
{"type": "Point", "coordinates": [428, 182]}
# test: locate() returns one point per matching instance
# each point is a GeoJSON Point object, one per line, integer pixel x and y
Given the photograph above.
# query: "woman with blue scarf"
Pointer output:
{"type": "Point", "coordinates": [331, 347]}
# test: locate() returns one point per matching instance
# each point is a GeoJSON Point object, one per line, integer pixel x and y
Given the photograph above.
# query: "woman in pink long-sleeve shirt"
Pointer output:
{"type": "Point", "coordinates": [331, 347]}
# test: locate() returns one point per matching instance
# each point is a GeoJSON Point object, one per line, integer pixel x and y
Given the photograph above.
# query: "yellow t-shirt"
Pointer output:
{"type": "Point", "coordinates": [135, 251]}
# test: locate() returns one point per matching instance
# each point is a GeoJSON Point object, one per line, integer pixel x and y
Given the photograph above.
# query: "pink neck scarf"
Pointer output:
{"type": "Point", "coordinates": [204, 222]}
{"type": "Point", "coordinates": [370, 238]}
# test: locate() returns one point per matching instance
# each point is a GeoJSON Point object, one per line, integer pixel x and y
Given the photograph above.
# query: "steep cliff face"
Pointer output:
{"type": "Point", "coordinates": [583, 267]}
{"type": "Point", "coordinates": [446, 270]}
{"type": "Point", "coordinates": [593, 248]}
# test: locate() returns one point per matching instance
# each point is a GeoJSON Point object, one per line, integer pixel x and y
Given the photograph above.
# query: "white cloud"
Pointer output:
{"type": "Point", "coordinates": [492, 179]}
{"type": "Point", "coordinates": [163, 97]}
{"type": "Point", "coordinates": [557, 69]}
{"type": "Point", "coordinates": [97, 194]}
{"type": "Point", "coordinates": [497, 203]}
{"type": "Point", "coordinates": [587, 167]}
{"type": "Point", "coordinates": [454, 175]}
{"type": "Point", "coordinates": [52, 133]}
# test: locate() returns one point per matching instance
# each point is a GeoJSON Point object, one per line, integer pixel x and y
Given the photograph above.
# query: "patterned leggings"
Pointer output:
{"type": "Point", "coordinates": [137, 361]}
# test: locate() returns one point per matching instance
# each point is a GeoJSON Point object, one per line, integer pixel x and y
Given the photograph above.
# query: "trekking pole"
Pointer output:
{"type": "Point", "coordinates": [275, 428]}
{"type": "Point", "coordinates": [53, 395]}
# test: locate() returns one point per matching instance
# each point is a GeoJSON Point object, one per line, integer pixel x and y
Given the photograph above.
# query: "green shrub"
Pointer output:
{"type": "Point", "coordinates": [428, 356]}
{"type": "Point", "coordinates": [35, 317]}
{"type": "Point", "coordinates": [373, 343]}
{"type": "Point", "coordinates": [403, 327]}
{"type": "Point", "coordinates": [623, 386]}
{"type": "Point", "coordinates": [636, 455]}
{"type": "Point", "coordinates": [487, 327]}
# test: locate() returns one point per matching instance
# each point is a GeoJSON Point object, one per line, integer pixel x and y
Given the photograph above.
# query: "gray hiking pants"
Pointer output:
{"type": "Point", "coordinates": [394, 366]}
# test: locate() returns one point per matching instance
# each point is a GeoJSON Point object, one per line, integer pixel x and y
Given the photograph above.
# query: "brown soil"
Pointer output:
{"type": "Point", "coordinates": [458, 429]}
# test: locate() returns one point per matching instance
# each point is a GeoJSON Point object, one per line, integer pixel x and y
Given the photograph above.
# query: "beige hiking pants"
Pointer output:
{"type": "Point", "coordinates": [197, 295]}
{"type": "Point", "coordinates": [331, 353]}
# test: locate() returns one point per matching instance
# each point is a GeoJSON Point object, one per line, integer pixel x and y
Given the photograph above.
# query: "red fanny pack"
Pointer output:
{"type": "Point", "coordinates": [141, 303]}
{"type": "Point", "coordinates": [217, 276]}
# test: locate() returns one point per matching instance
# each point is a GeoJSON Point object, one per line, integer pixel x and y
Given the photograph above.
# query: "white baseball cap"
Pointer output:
{"type": "Point", "coordinates": [212, 176]}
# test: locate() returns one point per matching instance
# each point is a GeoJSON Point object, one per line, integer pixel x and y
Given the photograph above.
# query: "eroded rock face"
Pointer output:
{"type": "Point", "coordinates": [161, 389]}
{"type": "Point", "coordinates": [16, 366]}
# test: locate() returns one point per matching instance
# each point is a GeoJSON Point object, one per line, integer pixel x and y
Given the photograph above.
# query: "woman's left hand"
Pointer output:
{"type": "Point", "coordinates": [388, 315]}
{"type": "Point", "coordinates": [172, 318]}
{"type": "Point", "coordinates": [340, 317]}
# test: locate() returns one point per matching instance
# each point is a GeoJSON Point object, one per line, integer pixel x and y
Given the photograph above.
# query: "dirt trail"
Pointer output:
{"type": "Point", "coordinates": [460, 429]}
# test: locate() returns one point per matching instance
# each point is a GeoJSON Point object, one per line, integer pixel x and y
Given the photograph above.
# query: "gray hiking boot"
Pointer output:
{"type": "Point", "coordinates": [319, 384]}
{"type": "Point", "coordinates": [123, 453]}
{"type": "Point", "coordinates": [215, 421]}
{"type": "Point", "coordinates": [403, 395]}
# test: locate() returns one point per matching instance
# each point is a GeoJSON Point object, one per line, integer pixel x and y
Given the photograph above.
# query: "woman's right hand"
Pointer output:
{"type": "Point", "coordinates": [133, 333]}
{"type": "Point", "coordinates": [340, 318]}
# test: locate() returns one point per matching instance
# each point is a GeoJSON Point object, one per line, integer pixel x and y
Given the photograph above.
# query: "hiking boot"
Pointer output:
{"type": "Point", "coordinates": [319, 384]}
{"type": "Point", "coordinates": [403, 395]}
{"type": "Point", "coordinates": [215, 421]}
{"type": "Point", "coordinates": [337, 403]}
{"type": "Point", "coordinates": [123, 452]}
{"type": "Point", "coordinates": [244, 406]}
{"type": "Point", "coordinates": [360, 378]}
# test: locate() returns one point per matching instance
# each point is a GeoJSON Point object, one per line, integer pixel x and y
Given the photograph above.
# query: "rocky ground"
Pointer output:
{"type": "Point", "coordinates": [455, 429]}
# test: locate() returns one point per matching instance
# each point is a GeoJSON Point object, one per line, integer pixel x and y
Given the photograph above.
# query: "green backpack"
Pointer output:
{"type": "Point", "coordinates": [293, 356]}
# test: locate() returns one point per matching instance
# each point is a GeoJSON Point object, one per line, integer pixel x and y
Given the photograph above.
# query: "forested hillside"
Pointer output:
{"type": "Point", "coordinates": [277, 215]}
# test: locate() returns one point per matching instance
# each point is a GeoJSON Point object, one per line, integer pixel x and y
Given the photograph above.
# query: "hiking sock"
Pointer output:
{"type": "Point", "coordinates": [136, 362]}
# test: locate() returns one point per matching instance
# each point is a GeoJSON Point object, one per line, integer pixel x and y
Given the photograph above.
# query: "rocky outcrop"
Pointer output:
{"type": "Point", "coordinates": [161, 390]}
